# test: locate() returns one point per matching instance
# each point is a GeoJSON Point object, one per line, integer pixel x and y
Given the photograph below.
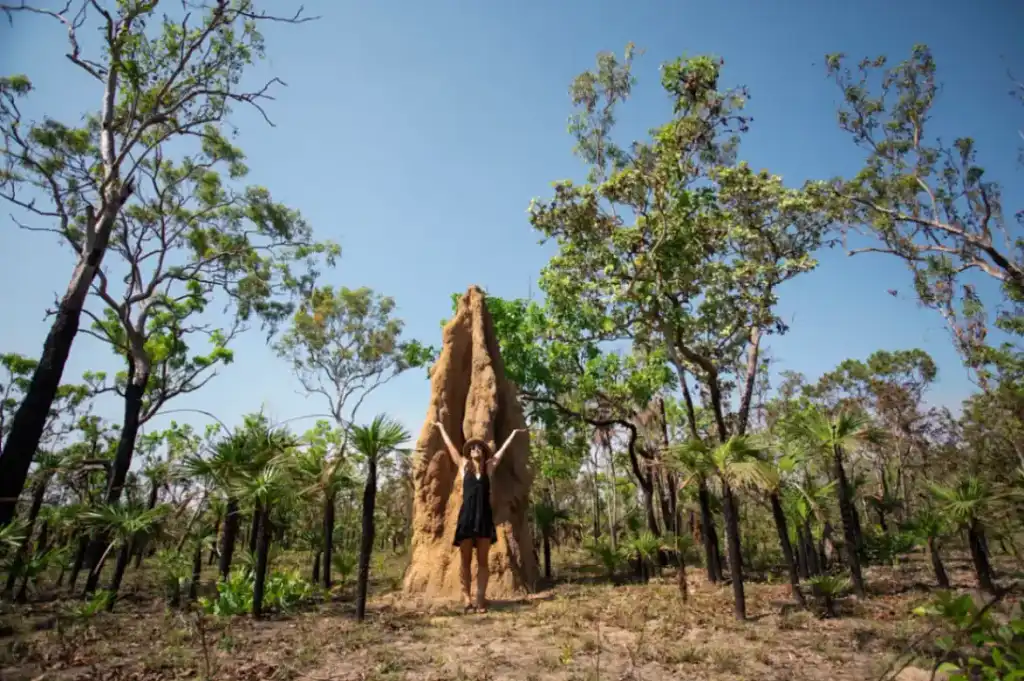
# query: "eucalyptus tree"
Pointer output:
{"type": "Point", "coordinates": [158, 79]}
{"type": "Point", "coordinates": [929, 203]}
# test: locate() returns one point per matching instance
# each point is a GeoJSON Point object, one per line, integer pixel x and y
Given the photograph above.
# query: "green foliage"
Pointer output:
{"type": "Point", "coordinates": [345, 343]}
{"type": "Point", "coordinates": [284, 591]}
{"type": "Point", "coordinates": [928, 203]}
{"type": "Point", "coordinates": [976, 645]}
{"type": "Point", "coordinates": [612, 559]}
{"type": "Point", "coordinates": [883, 548]}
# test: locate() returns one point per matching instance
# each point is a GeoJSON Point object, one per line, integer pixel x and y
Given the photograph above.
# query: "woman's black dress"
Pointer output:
{"type": "Point", "coordinates": [475, 518]}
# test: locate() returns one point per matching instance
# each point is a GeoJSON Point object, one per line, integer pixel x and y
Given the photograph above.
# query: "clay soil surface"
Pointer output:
{"type": "Point", "coordinates": [578, 629]}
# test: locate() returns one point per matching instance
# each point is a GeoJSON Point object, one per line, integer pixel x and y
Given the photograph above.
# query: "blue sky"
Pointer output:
{"type": "Point", "coordinates": [416, 133]}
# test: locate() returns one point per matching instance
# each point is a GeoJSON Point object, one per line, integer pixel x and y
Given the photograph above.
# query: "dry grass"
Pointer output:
{"type": "Point", "coordinates": [576, 631]}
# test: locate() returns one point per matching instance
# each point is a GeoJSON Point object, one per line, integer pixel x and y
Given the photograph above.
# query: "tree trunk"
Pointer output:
{"type": "Point", "coordinates": [227, 548]}
{"type": "Point", "coordinates": [140, 542]}
{"type": "Point", "coordinates": [848, 513]}
{"type": "Point", "coordinates": [982, 568]}
{"type": "Point", "coordinates": [940, 570]}
{"type": "Point", "coordinates": [197, 572]}
{"type": "Point", "coordinates": [366, 544]}
{"type": "Point", "coordinates": [262, 552]}
{"type": "Point", "coordinates": [708, 534]}
{"type": "Point", "coordinates": [328, 549]}
{"type": "Point", "coordinates": [123, 554]}
{"type": "Point", "coordinates": [138, 377]}
{"type": "Point", "coordinates": [546, 538]}
{"type": "Point", "coordinates": [787, 548]}
{"type": "Point", "coordinates": [254, 529]}
{"type": "Point", "coordinates": [684, 591]}
{"type": "Point", "coordinates": [76, 566]}
{"type": "Point", "coordinates": [213, 549]}
{"type": "Point", "coordinates": [38, 492]}
{"type": "Point", "coordinates": [801, 553]}
{"type": "Point", "coordinates": [732, 535]}
{"type": "Point", "coordinates": [316, 567]}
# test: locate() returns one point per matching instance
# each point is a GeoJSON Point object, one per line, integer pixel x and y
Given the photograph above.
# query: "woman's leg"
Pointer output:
{"type": "Point", "coordinates": [483, 549]}
{"type": "Point", "coordinates": [465, 566]}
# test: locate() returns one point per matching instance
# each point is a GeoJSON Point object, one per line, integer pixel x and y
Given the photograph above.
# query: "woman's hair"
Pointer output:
{"type": "Point", "coordinates": [476, 442]}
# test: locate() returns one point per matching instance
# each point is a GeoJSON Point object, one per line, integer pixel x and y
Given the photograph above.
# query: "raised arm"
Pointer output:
{"type": "Point", "coordinates": [496, 459]}
{"type": "Point", "coordinates": [452, 451]}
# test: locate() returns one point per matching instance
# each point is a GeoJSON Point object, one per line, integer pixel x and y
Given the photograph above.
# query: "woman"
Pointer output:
{"type": "Point", "coordinates": [475, 529]}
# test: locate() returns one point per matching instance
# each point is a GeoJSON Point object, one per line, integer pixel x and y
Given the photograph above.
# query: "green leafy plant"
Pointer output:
{"type": "Point", "coordinates": [828, 588]}
{"type": "Point", "coordinates": [977, 645]}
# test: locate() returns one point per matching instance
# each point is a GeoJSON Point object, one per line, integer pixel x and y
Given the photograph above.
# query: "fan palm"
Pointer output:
{"type": "Point", "coordinates": [695, 463]}
{"type": "Point", "coordinates": [929, 527]}
{"type": "Point", "coordinates": [325, 476]}
{"type": "Point", "coordinates": [381, 437]}
{"type": "Point", "coordinates": [964, 504]}
{"type": "Point", "coordinates": [47, 465]}
{"type": "Point", "coordinates": [832, 436]}
{"type": "Point", "coordinates": [547, 516]}
{"type": "Point", "coordinates": [122, 523]}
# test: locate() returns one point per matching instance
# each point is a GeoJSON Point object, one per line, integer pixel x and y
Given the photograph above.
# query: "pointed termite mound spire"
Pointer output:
{"type": "Point", "coordinates": [471, 397]}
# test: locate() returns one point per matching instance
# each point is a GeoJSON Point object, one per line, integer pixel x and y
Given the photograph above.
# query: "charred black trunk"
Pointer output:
{"type": "Point", "coordinates": [262, 553]}
{"type": "Point", "coordinates": [546, 539]}
{"type": "Point", "coordinates": [38, 492]}
{"type": "Point", "coordinates": [787, 548]}
{"type": "Point", "coordinates": [851, 525]}
{"type": "Point", "coordinates": [366, 543]}
{"type": "Point", "coordinates": [708, 534]}
{"type": "Point", "coordinates": [140, 541]}
{"type": "Point", "coordinates": [76, 567]}
{"type": "Point", "coordinates": [732, 534]}
{"type": "Point", "coordinates": [941, 578]}
{"type": "Point", "coordinates": [197, 572]}
{"type": "Point", "coordinates": [227, 548]}
{"type": "Point", "coordinates": [30, 420]}
{"type": "Point", "coordinates": [123, 554]}
{"type": "Point", "coordinates": [254, 529]}
{"type": "Point", "coordinates": [982, 567]}
{"type": "Point", "coordinates": [133, 393]}
{"type": "Point", "coordinates": [316, 567]}
{"type": "Point", "coordinates": [328, 550]}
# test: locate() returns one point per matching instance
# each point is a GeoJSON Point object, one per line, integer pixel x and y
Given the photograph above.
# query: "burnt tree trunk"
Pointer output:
{"type": "Point", "coordinates": [227, 548]}
{"type": "Point", "coordinates": [38, 492]}
{"type": "Point", "coordinates": [982, 567]}
{"type": "Point", "coordinates": [123, 554]}
{"type": "Point", "coordinates": [941, 578]}
{"type": "Point", "coordinates": [850, 523]}
{"type": "Point", "coordinates": [254, 529]}
{"type": "Point", "coordinates": [328, 550]}
{"type": "Point", "coordinates": [732, 534]}
{"type": "Point", "coordinates": [133, 394]}
{"type": "Point", "coordinates": [262, 553]}
{"type": "Point", "coordinates": [710, 537]}
{"type": "Point", "coordinates": [787, 549]}
{"type": "Point", "coordinates": [366, 543]}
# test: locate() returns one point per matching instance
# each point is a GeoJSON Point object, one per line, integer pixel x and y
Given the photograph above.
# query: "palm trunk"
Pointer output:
{"type": "Point", "coordinates": [328, 551]}
{"type": "Point", "coordinates": [316, 567]}
{"type": "Point", "coordinates": [38, 492]}
{"type": "Point", "coordinates": [787, 548]}
{"type": "Point", "coordinates": [982, 567]}
{"type": "Point", "coordinates": [546, 538]}
{"type": "Point", "coordinates": [76, 567]}
{"type": "Point", "coordinates": [254, 530]}
{"type": "Point", "coordinates": [708, 534]}
{"type": "Point", "coordinates": [213, 549]}
{"type": "Point", "coordinates": [140, 541]}
{"type": "Point", "coordinates": [684, 591]}
{"type": "Point", "coordinates": [801, 553]}
{"type": "Point", "coordinates": [123, 555]}
{"type": "Point", "coordinates": [227, 548]}
{"type": "Point", "coordinates": [850, 524]}
{"type": "Point", "coordinates": [732, 535]}
{"type": "Point", "coordinates": [197, 572]}
{"type": "Point", "coordinates": [940, 570]}
{"type": "Point", "coordinates": [262, 553]}
{"type": "Point", "coordinates": [366, 544]}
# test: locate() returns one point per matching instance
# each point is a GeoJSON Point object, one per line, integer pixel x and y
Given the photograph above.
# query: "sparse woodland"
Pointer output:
{"type": "Point", "coordinates": [691, 515]}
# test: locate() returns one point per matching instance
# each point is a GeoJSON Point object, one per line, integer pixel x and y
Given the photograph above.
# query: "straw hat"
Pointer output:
{"type": "Point", "coordinates": [474, 442]}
